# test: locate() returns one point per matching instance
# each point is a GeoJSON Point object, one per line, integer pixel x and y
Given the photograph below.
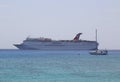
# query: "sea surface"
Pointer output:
{"type": "Point", "coordinates": [58, 66]}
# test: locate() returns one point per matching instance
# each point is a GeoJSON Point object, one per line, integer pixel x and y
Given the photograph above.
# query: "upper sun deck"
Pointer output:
{"type": "Point", "coordinates": [42, 39]}
{"type": "Point", "coordinates": [76, 38]}
{"type": "Point", "coordinates": [50, 40]}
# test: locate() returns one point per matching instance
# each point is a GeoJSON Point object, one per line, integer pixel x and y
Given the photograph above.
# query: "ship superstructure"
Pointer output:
{"type": "Point", "coordinates": [49, 44]}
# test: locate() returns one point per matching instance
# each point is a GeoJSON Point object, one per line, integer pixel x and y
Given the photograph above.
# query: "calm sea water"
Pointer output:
{"type": "Point", "coordinates": [58, 66]}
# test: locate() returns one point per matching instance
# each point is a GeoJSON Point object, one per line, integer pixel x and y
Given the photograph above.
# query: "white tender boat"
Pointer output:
{"type": "Point", "coordinates": [99, 52]}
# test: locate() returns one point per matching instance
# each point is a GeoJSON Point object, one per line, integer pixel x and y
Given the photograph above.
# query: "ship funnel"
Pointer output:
{"type": "Point", "coordinates": [77, 36]}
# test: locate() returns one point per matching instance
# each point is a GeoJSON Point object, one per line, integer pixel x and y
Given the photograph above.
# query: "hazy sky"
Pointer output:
{"type": "Point", "coordinates": [60, 19]}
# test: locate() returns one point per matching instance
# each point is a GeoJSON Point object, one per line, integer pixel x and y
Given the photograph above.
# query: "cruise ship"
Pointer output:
{"type": "Point", "coordinates": [49, 44]}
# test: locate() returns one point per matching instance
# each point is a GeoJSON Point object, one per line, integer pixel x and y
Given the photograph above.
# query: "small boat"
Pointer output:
{"type": "Point", "coordinates": [99, 52]}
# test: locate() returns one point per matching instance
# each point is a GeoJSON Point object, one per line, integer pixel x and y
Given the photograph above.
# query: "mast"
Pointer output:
{"type": "Point", "coordinates": [96, 35]}
{"type": "Point", "coordinates": [96, 39]}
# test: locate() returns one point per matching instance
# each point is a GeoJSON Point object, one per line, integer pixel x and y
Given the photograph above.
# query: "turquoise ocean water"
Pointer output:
{"type": "Point", "coordinates": [58, 66]}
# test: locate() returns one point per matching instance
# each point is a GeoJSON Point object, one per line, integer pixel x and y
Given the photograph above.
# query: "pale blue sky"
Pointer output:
{"type": "Point", "coordinates": [60, 19]}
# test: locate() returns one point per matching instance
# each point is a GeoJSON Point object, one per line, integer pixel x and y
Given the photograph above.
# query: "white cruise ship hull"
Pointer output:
{"type": "Point", "coordinates": [58, 45]}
